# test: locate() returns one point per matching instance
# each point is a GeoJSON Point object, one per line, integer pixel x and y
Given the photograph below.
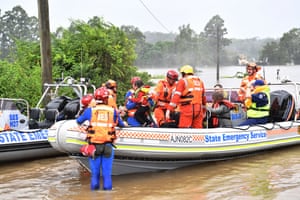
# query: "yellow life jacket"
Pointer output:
{"type": "Point", "coordinates": [102, 125]}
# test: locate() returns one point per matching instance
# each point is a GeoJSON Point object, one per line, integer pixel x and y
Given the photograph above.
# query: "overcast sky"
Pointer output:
{"type": "Point", "coordinates": [242, 18]}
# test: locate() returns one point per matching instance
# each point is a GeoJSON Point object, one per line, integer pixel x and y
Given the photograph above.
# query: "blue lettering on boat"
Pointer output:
{"type": "Point", "coordinates": [212, 138]}
{"type": "Point", "coordinates": [236, 137]}
{"type": "Point", "coordinates": [182, 139]}
{"type": "Point", "coordinates": [15, 136]}
{"type": "Point", "coordinates": [256, 135]}
{"type": "Point", "coordinates": [13, 120]}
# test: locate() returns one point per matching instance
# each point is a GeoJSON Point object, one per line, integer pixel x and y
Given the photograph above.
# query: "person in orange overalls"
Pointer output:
{"type": "Point", "coordinates": [252, 76]}
{"type": "Point", "coordinates": [189, 98]}
{"type": "Point", "coordinates": [111, 85]}
{"type": "Point", "coordinates": [162, 96]}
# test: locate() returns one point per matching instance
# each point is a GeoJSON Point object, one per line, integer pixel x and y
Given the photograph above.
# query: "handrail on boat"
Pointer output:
{"type": "Point", "coordinates": [80, 88]}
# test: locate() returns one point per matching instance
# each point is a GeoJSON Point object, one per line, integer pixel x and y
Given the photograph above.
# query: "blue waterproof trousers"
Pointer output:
{"type": "Point", "coordinates": [101, 165]}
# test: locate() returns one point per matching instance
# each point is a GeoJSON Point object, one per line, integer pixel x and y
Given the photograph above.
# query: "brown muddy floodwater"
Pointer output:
{"type": "Point", "coordinates": [272, 175]}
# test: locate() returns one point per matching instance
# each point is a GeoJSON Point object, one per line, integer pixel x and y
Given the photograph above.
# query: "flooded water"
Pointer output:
{"type": "Point", "coordinates": [273, 175]}
{"type": "Point", "coordinates": [272, 74]}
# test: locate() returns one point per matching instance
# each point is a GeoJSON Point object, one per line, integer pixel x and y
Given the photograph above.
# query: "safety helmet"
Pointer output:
{"type": "Point", "coordinates": [134, 79]}
{"type": "Point", "coordinates": [187, 69]}
{"type": "Point", "coordinates": [101, 94]}
{"type": "Point", "coordinates": [86, 99]}
{"type": "Point", "coordinates": [110, 84]}
{"type": "Point", "coordinates": [172, 74]}
{"type": "Point", "coordinates": [252, 65]}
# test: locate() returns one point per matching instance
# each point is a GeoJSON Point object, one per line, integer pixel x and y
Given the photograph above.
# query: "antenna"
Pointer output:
{"type": "Point", "coordinates": [81, 62]}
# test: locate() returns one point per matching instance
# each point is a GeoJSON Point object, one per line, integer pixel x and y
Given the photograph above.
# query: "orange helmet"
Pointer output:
{"type": "Point", "coordinates": [172, 74]}
{"type": "Point", "coordinates": [134, 79]}
{"type": "Point", "coordinates": [101, 94]}
{"type": "Point", "coordinates": [110, 84]}
{"type": "Point", "coordinates": [86, 99]}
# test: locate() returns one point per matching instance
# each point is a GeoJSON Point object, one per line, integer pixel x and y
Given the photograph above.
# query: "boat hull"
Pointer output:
{"type": "Point", "coordinates": [153, 149]}
{"type": "Point", "coordinates": [25, 145]}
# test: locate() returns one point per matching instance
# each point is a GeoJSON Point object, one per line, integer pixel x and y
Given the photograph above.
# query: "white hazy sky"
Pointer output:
{"type": "Point", "coordinates": [242, 18]}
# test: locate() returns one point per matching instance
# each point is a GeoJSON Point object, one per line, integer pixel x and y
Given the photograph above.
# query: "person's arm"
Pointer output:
{"type": "Point", "coordinates": [219, 110]}
{"type": "Point", "coordinates": [86, 115]}
{"type": "Point", "coordinates": [118, 119]}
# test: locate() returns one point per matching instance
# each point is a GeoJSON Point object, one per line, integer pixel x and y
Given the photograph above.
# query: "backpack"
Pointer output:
{"type": "Point", "coordinates": [282, 107]}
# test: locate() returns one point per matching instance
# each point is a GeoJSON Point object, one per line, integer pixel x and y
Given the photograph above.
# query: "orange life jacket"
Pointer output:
{"type": "Point", "coordinates": [245, 83]}
{"type": "Point", "coordinates": [112, 98]}
{"type": "Point", "coordinates": [164, 93]}
{"type": "Point", "coordinates": [102, 125]}
{"type": "Point", "coordinates": [194, 91]}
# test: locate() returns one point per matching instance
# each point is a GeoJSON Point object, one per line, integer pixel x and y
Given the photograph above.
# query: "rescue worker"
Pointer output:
{"type": "Point", "coordinates": [252, 75]}
{"type": "Point", "coordinates": [100, 135]}
{"type": "Point", "coordinates": [257, 103]}
{"type": "Point", "coordinates": [131, 106]}
{"type": "Point", "coordinates": [189, 98]}
{"type": "Point", "coordinates": [85, 102]}
{"type": "Point", "coordinates": [111, 86]}
{"type": "Point", "coordinates": [162, 96]}
{"type": "Point", "coordinates": [220, 111]}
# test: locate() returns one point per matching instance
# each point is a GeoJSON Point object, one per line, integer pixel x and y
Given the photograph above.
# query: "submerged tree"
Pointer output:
{"type": "Point", "coordinates": [214, 33]}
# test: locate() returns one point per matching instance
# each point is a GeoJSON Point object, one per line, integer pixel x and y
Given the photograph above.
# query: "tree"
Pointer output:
{"type": "Point", "coordinates": [16, 25]}
{"type": "Point", "coordinates": [214, 33]}
{"type": "Point", "coordinates": [186, 45]}
{"type": "Point", "coordinates": [271, 51]}
{"type": "Point", "coordinates": [96, 50]}
{"type": "Point", "coordinates": [290, 47]}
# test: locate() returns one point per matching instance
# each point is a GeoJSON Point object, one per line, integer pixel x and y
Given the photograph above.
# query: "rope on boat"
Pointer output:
{"type": "Point", "coordinates": [269, 128]}
{"type": "Point", "coordinates": [23, 131]}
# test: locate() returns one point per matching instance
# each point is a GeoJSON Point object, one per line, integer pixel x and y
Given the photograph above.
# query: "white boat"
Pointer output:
{"type": "Point", "coordinates": [24, 130]}
{"type": "Point", "coordinates": [144, 149]}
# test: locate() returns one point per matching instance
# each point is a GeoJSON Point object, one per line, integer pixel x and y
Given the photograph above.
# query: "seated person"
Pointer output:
{"type": "Point", "coordinates": [130, 106]}
{"type": "Point", "coordinates": [220, 111]}
{"type": "Point", "coordinates": [257, 103]}
{"type": "Point", "coordinates": [143, 101]}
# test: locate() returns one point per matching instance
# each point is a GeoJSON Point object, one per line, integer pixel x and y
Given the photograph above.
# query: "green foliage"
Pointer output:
{"type": "Point", "coordinates": [286, 51]}
{"type": "Point", "coordinates": [20, 82]}
{"type": "Point", "coordinates": [98, 51]}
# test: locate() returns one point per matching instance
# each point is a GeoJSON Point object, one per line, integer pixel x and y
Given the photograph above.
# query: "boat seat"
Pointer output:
{"type": "Point", "coordinates": [35, 113]}
{"type": "Point", "coordinates": [50, 118]}
{"type": "Point", "coordinates": [34, 117]}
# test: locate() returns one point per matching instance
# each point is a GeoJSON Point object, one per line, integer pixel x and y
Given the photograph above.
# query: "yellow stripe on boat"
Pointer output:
{"type": "Point", "coordinates": [205, 149]}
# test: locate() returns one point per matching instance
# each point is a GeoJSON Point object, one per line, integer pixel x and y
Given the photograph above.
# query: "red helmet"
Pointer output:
{"type": "Point", "coordinates": [101, 93]}
{"type": "Point", "coordinates": [172, 74]}
{"type": "Point", "coordinates": [86, 99]}
{"type": "Point", "coordinates": [134, 79]}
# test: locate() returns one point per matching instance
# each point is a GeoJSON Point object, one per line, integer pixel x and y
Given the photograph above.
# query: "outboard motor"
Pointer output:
{"type": "Point", "coordinates": [282, 106]}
